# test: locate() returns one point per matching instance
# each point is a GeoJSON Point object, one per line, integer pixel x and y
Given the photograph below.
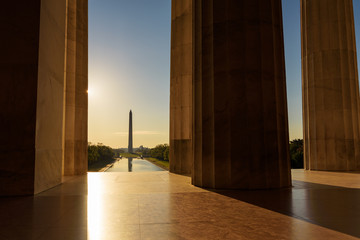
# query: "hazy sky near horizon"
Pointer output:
{"type": "Point", "coordinates": [129, 68]}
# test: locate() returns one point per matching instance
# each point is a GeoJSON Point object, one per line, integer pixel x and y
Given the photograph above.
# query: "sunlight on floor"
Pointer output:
{"type": "Point", "coordinates": [95, 216]}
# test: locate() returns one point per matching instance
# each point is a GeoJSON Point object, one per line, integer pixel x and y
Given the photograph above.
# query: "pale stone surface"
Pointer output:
{"type": "Point", "coordinates": [240, 123]}
{"type": "Point", "coordinates": [75, 159]}
{"type": "Point", "coordinates": [70, 71]}
{"type": "Point", "coordinates": [347, 180]}
{"type": "Point", "coordinates": [81, 124]}
{"type": "Point", "coordinates": [49, 110]}
{"type": "Point", "coordinates": [330, 86]}
{"type": "Point", "coordinates": [32, 94]}
{"type": "Point", "coordinates": [181, 87]}
{"type": "Point", "coordinates": [163, 206]}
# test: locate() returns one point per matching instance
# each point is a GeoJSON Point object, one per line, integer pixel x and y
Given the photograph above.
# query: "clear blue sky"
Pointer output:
{"type": "Point", "coordinates": [129, 68]}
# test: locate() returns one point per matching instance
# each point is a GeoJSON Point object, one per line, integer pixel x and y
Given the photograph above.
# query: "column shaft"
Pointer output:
{"type": "Point", "coordinates": [31, 90]}
{"type": "Point", "coordinates": [75, 159]}
{"type": "Point", "coordinates": [330, 85]}
{"type": "Point", "coordinates": [240, 112]}
{"type": "Point", "coordinates": [181, 87]}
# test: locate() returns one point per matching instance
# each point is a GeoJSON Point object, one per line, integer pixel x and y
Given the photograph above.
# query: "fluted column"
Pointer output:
{"type": "Point", "coordinates": [330, 85]}
{"type": "Point", "coordinates": [31, 90]}
{"type": "Point", "coordinates": [181, 87]}
{"type": "Point", "coordinates": [75, 155]}
{"type": "Point", "coordinates": [240, 123]}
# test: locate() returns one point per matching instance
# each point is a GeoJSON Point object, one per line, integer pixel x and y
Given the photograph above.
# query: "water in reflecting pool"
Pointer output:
{"type": "Point", "coordinates": [133, 165]}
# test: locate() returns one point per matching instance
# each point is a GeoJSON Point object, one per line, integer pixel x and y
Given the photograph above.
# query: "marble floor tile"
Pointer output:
{"type": "Point", "coordinates": [160, 205]}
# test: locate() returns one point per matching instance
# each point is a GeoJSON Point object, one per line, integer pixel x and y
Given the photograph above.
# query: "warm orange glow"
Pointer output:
{"type": "Point", "coordinates": [94, 203]}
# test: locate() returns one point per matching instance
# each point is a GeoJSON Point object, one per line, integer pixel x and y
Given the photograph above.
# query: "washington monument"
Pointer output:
{"type": "Point", "coordinates": [130, 146]}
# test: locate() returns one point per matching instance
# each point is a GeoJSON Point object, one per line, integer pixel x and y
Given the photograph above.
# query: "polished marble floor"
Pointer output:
{"type": "Point", "coordinates": [160, 205]}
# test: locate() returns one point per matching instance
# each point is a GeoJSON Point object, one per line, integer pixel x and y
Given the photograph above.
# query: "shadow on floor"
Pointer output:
{"type": "Point", "coordinates": [332, 207]}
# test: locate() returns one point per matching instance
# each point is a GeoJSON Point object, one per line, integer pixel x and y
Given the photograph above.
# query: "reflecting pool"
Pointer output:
{"type": "Point", "coordinates": [133, 165]}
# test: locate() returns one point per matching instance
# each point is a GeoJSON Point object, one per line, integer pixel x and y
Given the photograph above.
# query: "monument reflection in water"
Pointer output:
{"type": "Point", "coordinates": [130, 164]}
{"type": "Point", "coordinates": [133, 165]}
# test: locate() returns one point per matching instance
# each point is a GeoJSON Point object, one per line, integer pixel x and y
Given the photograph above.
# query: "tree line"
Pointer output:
{"type": "Point", "coordinates": [160, 151]}
{"type": "Point", "coordinates": [100, 152]}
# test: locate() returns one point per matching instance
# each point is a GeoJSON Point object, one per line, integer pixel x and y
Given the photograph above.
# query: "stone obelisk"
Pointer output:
{"type": "Point", "coordinates": [130, 146]}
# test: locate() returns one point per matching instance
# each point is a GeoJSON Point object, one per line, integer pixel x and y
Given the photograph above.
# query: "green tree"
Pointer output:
{"type": "Point", "coordinates": [146, 152]}
{"type": "Point", "coordinates": [166, 153]}
{"type": "Point", "coordinates": [161, 152]}
{"type": "Point", "coordinates": [296, 148]}
{"type": "Point", "coordinates": [99, 152]}
{"type": "Point", "coordinates": [105, 152]}
{"type": "Point", "coordinates": [93, 155]}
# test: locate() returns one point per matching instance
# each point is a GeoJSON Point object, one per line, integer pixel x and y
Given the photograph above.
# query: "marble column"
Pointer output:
{"type": "Point", "coordinates": [75, 129]}
{"type": "Point", "coordinates": [181, 155]}
{"type": "Point", "coordinates": [330, 86]}
{"type": "Point", "coordinates": [31, 93]}
{"type": "Point", "coordinates": [240, 124]}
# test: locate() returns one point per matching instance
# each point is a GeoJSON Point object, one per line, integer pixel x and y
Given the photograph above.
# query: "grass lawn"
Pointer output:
{"type": "Point", "coordinates": [159, 163]}
{"type": "Point", "coordinates": [127, 155]}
